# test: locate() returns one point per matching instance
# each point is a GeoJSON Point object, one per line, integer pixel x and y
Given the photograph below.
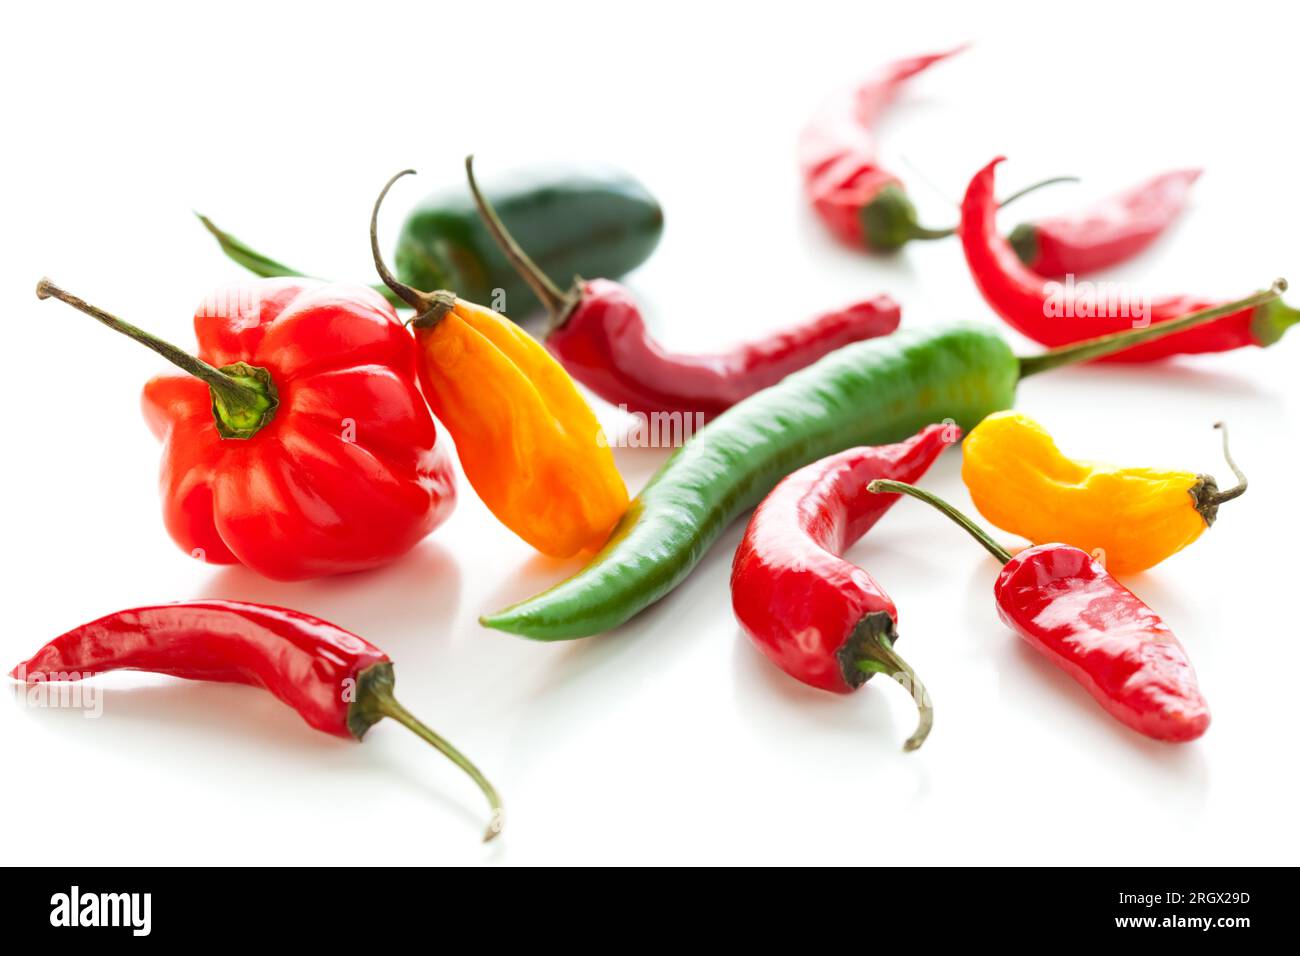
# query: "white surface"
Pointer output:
{"type": "Point", "coordinates": [670, 741]}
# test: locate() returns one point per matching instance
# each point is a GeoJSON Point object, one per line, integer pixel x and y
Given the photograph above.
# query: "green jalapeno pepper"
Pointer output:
{"type": "Point", "coordinates": [588, 220]}
{"type": "Point", "coordinates": [867, 393]}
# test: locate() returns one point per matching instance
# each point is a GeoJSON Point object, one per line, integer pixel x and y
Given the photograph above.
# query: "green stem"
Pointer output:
{"type": "Point", "coordinates": [922, 232]}
{"type": "Point", "coordinates": [243, 401]}
{"type": "Point", "coordinates": [925, 233]}
{"type": "Point", "coordinates": [386, 704]}
{"type": "Point", "coordinates": [1118, 341]}
{"type": "Point", "coordinates": [881, 658]}
{"type": "Point", "coordinates": [1034, 187]}
{"type": "Point", "coordinates": [265, 266]}
{"type": "Point", "coordinates": [546, 291]}
{"type": "Point", "coordinates": [1240, 488]}
{"type": "Point", "coordinates": [429, 307]}
{"type": "Point", "coordinates": [886, 486]}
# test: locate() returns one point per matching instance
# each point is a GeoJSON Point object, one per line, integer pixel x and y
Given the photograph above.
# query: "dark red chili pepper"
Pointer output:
{"type": "Point", "coordinates": [1103, 235]}
{"type": "Point", "coordinates": [863, 204]}
{"type": "Point", "coordinates": [819, 618]}
{"type": "Point", "coordinates": [1053, 315]}
{"type": "Point", "coordinates": [1066, 605]}
{"type": "Point", "coordinates": [338, 682]}
{"type": "Point", "coordinates": [598, 333]}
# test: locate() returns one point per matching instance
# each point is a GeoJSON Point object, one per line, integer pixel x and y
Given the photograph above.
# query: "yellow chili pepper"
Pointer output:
{"type": "Point", "coordinates": [528, 441]}
{"type": "Point", "coordinates": [1132, 518]}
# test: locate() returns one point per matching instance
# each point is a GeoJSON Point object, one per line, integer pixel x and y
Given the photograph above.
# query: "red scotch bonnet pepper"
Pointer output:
{"type": "Point", "coordinates": [299, 443]}
{"type": "Point", "coordinates": [819, 618]}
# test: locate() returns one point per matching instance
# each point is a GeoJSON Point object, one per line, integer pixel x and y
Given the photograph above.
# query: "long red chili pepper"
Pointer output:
{"type": "Point", "coordinates": [598, 333]}
{"type": "Point", "coordinates": [1107, 233]}
{"type": "Point", "coordinates": [1051, 314]}
{"type": "Point", "coordinates": [338, 682]}
{"type": "Point", "coordinates": [863, 204]}
{"type": "Point", "coordinates": [1066, 605]}
{"type": "Point", "coordinates": [819, 618]}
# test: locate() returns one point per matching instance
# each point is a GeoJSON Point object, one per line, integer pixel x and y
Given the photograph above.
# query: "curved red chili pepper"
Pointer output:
{"type": "Point", "coordinates": [1046, 313]}
{"type": "Point", "coordinates": [599, 335]}
{"type": "Point", "coordinates": [862, 203]}
{"type": "Point", "coordinates": [1069, 607]}
{"type": "Point", "coordinates": [819, 618]}
{"type": "Point", "coordinates": [603, 342]}
{"type": "Point", "coordinates": [1107, 233]}
{"type": "Point", "coordinates": [338, 682]}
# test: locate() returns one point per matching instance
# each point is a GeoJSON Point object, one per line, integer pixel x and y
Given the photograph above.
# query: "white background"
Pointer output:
{"type": "Point", "coordinates": [670, 741]}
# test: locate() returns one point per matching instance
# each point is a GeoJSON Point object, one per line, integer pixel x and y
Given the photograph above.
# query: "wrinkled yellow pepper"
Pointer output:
{"type": "Point", "coordinates": [1131, 518]}
{"type": "Point", "coordinates": [528, 441]}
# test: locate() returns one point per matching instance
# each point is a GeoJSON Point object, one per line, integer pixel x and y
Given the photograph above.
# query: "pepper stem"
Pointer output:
{"type": "Point", "coordinates": [429, 307]}
{"type": "Point", "coordinates": [1034, 187]}
{"type": "Point", "coordinates": [386, 704]}
{"type": "Point", "coordinates": [919, 231]}
{"type": "Point", "coordinates": [243, 400]}
{"type": "Point", "coordinates": [1240, 488]}
{"type": "Point", "coordinates": [1118, 341]}
{"type": "Point", "coordinates": [885, 485]}
{"type": "Point", "coordinates": [557, 304]}
{"type": "Point", "coordinates": [881, 658]}
{"type": "Point", "coordinates": [925, 233]}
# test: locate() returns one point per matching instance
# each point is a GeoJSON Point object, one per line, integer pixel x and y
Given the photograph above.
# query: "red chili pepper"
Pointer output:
{"type": "Point", "coordinates": [1066, 605]}
{"type": "Point", "coordinates": [299, 444]}
{"type": "Point", "coordinates": [819, 618]}
{"type": "Point", "coordinates": [862, 203]}
{"type": "Point", "coordinates": [338, 682]}
{"type": "Point", "coordinates": [1049, 313]}
{"type": "Point", "coordinates": [598, 333]}
{"type": "Point", "coordinates": [1115, 229]}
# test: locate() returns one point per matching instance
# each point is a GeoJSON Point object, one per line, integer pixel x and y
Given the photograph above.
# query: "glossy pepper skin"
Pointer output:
{"type": "Point", "coordinates": [1108, 233]}
{"type": "Point", "coordinates": [1068, 606]}
{"type": "Point", "coordinates": [576, 220]}
{"type": "Point", "coordinates": [1132, 518]}
{"type": "Point", "coordinates": [867, 393]}
{"type": "Point", "coordinates": [604, 343]}
{"type": "Point", "coordinates": [335, 467]}
{"type": "Point", "coordinates": [861, 203]}
{"type": "Point", "coordinates": [599, 335]}
{"type": "Point", "coordinates": [1047, 313]}
{"type": "Point", "coordinates": [527, 440]}
{"type": "Point", "coordinates": [339, 683]}
{"type": "Point", "coordinates": [821, 619]}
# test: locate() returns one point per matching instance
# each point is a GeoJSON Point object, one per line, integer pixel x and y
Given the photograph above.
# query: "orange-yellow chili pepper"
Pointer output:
{"type": "Point", "coordinates": [527, 440]}
{"type": "Point", "coordinates": [1131, 518]}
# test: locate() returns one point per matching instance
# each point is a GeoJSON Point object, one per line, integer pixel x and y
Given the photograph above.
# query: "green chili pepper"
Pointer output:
{"type": "Point", "coordinates": [868, 393]}
{"type": "Point", "coordinates": [591, 221]}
